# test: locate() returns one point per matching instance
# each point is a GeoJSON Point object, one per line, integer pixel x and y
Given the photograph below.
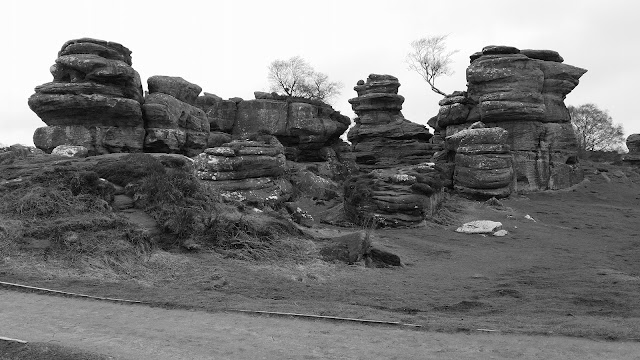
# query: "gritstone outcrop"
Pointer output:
{"type": "Point", "coordinates": [173, 123]}
{"type": "Point", "coordinates": [93, 101]}
{"type": "Point", "coordinates": [382, 137]}
{"type": "Point", "coordinates": [523, 92]}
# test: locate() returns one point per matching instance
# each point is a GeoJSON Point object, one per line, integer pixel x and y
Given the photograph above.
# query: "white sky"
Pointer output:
{"type": "Point", "coordinates": [226, 46]}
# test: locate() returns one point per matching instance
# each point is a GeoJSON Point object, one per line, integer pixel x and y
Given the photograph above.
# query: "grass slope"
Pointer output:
{"type": "Point", "coordinates": [572, 271]}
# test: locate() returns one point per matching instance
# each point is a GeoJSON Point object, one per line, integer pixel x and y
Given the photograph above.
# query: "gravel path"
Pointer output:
{"type": "Point", "coordinates": [141, 332]}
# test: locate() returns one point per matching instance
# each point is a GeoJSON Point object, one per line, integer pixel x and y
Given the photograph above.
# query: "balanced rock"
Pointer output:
{"type": "Point", "coordinates": [633, 156]}
{"type": "Point", "coordinates": [401, 196]}
{"type": "Point", "coordinates": [95, 97]}
{"type": "Point", "coordinates": [522, 92]}
{"type": "Point", "coordinates": [382, 137]}
{"type": "Point", "coordinates": [246, 170]}
{"type": "Point", "coordinates": [173, 125]}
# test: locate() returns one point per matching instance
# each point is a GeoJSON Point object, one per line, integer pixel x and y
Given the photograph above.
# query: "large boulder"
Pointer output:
{"type": "Point", "coordinates": [402, 196]}
{"type": "Point", "coordinates": [173, 125]}
{"type": "Point", "coordinates": [175, 86]}
{"type": "Point", "coordinates": [382, 137]}
{"type": "Point", "coordinates": [94, 98]}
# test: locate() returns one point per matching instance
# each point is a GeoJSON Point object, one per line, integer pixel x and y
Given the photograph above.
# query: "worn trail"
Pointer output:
{"type": "Point", "coordinates": [141, 332]}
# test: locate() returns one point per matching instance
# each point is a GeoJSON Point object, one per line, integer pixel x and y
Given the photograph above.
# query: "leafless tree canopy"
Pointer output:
{"type": "Point", "coordinates": [295, 77]}
{"type": "Point", "coordinates": [595, 129]}
{"type": "Point", "coordinates": [430, 59]}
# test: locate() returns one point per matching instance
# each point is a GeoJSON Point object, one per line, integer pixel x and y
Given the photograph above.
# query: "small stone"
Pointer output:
{"type": "Point", "coordinates": [480, 227]}
{"type": "Point", "coordinates": [501, 233]}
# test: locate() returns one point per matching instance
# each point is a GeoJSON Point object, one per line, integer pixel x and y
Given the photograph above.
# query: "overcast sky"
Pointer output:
{"type": "Point", "coordinates": [226, 46]}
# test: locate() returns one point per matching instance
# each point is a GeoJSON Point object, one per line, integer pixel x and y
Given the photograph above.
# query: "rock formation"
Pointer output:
{"type": "Point", "coordinates": [401, 196]}
{"type": "Point", "coordinates": [483, 163]}
{"type": "Point", "coordinates": [309, 130]}
{"type": "Point", "coordinates": [633, 144]}
{"type": "Point", "coordinates": [522, 92]}
{"type": "Point", "coordinates": [94, 100]}
{"type": "Point", "coordinates": [305, 127]}
{"type": "Point", "coordinates": [382, 137]}
{"type": "Point", "coordinates": [246, 170]}
{"type": "Point", "coordinates": [173, 123]}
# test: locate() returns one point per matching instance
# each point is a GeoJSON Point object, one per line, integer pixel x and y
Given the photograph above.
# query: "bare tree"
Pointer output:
{"type": "Point", "coordinates": [289, 75]}
{"type": "Point", "coordinates": [295, 77]}
{"type": "Point", "coordinates": [319, 87]}
{"type": "Point", "coordinates": [430, 59]}
{"type": "Point", "coordinates": [595, 130]}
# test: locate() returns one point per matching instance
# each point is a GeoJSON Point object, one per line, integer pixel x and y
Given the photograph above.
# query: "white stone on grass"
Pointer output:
{"type": "Point", "coordinates": [70, 151]}
{"type": "Point", "coordinates": [480, 227]}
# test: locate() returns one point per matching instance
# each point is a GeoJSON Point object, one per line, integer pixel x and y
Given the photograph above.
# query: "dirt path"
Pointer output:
{"type": "Point", "coordinates": [140, 332]}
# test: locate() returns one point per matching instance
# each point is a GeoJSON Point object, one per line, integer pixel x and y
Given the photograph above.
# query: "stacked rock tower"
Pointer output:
{"type": "Point", "coordinates": [382, 137]}
{"type": "Point", "coordinates": [93, 101]}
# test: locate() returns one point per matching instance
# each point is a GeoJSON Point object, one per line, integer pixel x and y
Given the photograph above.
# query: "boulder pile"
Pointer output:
{"type": "Point", "coordinates": [402, 196]}
{"type": "Point", "coordinates": [633, 144]}
{"type": "Point", "coordinates": [93, 101]}
{"type": "Point", "coordinates": [246, 170]}
{"type": "Point", "coordinates": [173, 123]}
{"type": "Point", "coordinates": [382, 137]}
{"type": "Point", "coordinates": [523, 92]}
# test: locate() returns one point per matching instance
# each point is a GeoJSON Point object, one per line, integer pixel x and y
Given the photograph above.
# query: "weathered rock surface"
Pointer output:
{"type": "Point", "coordinates": [94, 98]}
{"type": "Point", "coordinates": [246, 170]}
{"type": "Point", "coordinates": [402, 196]}
{"type": "Point", "coordinates": [382, 137]}
{"type": "Point", "coordinates": [305, 127]}
{"type": "Point", "coordinates": [173, 125]}
{"type": "Point", "coordinates": [97, 139]}
{"type": "Point", "coordinates": [483, 164]}
{"type": "Point", "coordinates": [633, 144]}
{"type": "Point", "coordinates": [522, 92]}
{"type": "Point", "coordinates": [175, 86]}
